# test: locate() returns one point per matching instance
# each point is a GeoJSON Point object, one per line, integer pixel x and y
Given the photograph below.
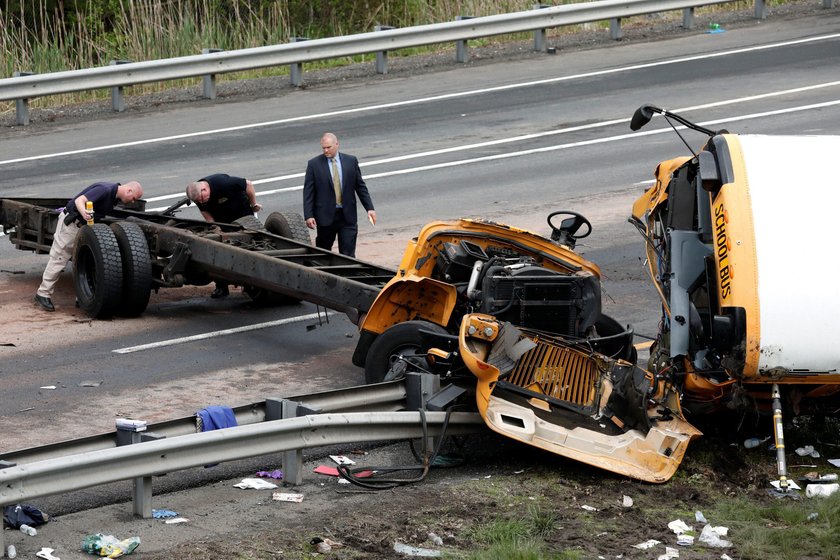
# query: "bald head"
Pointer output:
{"type": "Point", "coordinates": [329, 144]}
{"type": "Point", "coordinates": [130, 192]}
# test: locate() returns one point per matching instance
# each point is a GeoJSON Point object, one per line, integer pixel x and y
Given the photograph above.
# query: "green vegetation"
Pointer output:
{"type": "Point", "coordinates": [784, 529]}
{"type": "Point", "coordinates": [520, 538]}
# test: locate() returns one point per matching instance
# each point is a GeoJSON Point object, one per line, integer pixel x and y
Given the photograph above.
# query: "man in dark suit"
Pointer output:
{"type": "Point", "coordinates": [330, 188]}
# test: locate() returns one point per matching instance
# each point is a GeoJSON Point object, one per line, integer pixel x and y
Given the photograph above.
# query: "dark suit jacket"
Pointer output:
{"type": "Point", "coordinates": [319, 195]}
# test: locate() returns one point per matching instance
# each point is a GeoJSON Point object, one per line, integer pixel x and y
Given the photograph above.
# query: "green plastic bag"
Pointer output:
{"type": "Point", "coordinates": [109, 546]}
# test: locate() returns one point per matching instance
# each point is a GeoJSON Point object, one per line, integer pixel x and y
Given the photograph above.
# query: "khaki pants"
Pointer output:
{"type": "Point", "coordinates": [64, 239]}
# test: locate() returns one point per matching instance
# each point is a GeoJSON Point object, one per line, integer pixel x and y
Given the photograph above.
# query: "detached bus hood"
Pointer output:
{"type": "Point", "coordinates": [566, 399]}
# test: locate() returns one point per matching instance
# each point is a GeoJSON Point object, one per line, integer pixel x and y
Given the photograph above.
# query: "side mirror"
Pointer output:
{"type": "Point", "coordinates": [642, 116]}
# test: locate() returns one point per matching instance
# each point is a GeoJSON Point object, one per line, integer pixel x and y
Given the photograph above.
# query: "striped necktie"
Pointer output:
{"type": "Point", "coordinates": [336, 182]}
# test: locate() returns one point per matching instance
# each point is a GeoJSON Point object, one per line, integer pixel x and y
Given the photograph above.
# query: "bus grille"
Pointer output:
{"type": "Point", "coordinates": [558, 372]}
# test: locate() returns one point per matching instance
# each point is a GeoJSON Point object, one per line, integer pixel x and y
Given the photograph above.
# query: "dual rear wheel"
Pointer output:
{"type": "Point", "coordinates": [112, 270]}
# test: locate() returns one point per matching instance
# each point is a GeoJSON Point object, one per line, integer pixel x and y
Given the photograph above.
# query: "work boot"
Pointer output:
{"type": "Point", "coordinates": [45, 303]}
{"type": "Point", "coordinates": [220, 291]}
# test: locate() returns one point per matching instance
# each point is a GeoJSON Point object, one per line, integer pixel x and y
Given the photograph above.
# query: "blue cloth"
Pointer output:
{"type": "Point", "coordinates": [216, 418]}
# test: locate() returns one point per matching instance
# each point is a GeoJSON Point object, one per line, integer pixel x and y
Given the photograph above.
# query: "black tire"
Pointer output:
{"type": "Point", "coordinates": [137, 268]}
{"type": "Point", "coordinates": [98, 271]}
{"type": "Point", "coordinates": [400, 339]}
{"type": "Point", "coordinates": [289, 225]}
{"type": "Point", "coordinates": [250, 221]}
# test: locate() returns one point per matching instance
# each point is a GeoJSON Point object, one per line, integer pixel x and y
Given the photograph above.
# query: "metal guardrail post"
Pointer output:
{"type": "Point", "coordinates": [381, 64]}
{"type": "Point", "coordinates": [688, 18]}
{"type": "Point", "coordinates": [130, 432]}
{"type": "Point", "coordinates": [419, 388]}
{"type": "Point", "coordinates": [209, 80]}
{"type": "Point", "coordinates": [281, 409]}
{"type": "Point", "coordinates": [3, 465]}
{"type": "Point", "coordinates": [615, 29]}
{"type": "Point", "coordinates": [293, 459]}
{"type": "Point", "coordinates": [539, 34]}
{"type": "Point", "coordinates": [22, 105]}
{"type": "Point", "coordinates": [296, 69]}
{"type": "Point", "coordinates": [117, 99]}
{"type": "Point", "coordinates": [462, 53]}
{"type": "Point", "coordinates": [828, 4]}
{"type": "Point", "coordinates": [760, 12]}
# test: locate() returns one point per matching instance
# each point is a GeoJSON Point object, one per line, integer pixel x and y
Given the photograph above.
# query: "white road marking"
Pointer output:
{"type": "Point", "coordinates": [434, 98]}
{"type": "Point", "coordinates": [543, 149]}
{"type": "Point", "coordinates": [225, 332]}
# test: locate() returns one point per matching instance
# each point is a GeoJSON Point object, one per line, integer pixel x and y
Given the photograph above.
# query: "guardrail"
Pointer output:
{"type": "Point", "coordinates": [406, 409]}
{"type": "Point", "coordinates": [119, 74]}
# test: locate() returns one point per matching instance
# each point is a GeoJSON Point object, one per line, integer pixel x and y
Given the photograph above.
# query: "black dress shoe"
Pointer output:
{"type": "Point", "coordinates": [45, 302]}
{"type": "Point", "coordinates": [220, 292]}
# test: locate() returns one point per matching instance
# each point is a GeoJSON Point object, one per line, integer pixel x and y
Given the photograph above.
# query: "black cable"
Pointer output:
{"type": "Point", "coordinates": [371, 483]}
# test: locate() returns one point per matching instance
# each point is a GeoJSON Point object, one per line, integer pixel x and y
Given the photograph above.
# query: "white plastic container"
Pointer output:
{"type": "Point", "coordinates": [821, 490]}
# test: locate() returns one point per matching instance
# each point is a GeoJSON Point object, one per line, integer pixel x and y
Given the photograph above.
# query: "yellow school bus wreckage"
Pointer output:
{"type": "Point", "coordinates": [749, 311]}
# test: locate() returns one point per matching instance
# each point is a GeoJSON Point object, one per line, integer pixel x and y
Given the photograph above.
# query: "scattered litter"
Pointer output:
{"type": "Point", "coordinates": [19, 515]}
{"type": "Point", "coordinates": [163, 513]}
{"type": "Point", "coordinates": [332, 471]}
{"type": "Point", "coordinates": [711, 536]}
{"type": "Point", "coordinates": [679, 526]}
{"type": "Point", "coordinates": [287, 497]}
{"type": "Point", "coordinates": [685, 540]}
{"type": "Point", "coordinates": [715, 28]}
{"type": "Point", "coordinates": [25, 409]}
{"type": "Point", "coordinates": [777, 484]}
{"type": "Point", "coordinates": [109, 545]}
{"type": "Point", "coordinates": [813, 516]}
{"type": "Point", "coordinates": [519, 471]}
{"type": "Point", "coordinates": [324, 545]}
{"type": "Point", "coordinates": [835, 462]}
{"type": "Point", "coordinates": [276, 474]}
{"type": "Point", "coordinates": [176, 520]}
{"type": "Point", "coordinates": [808, 451]}
{"type": "Point", "coordinates": [255, 484]}
{"type": "Point", "coordinates": [725, 557]}
{"type": "Point", "coordinates": [754, 442]}
{"type": "Point", "coordinates": [406, 550]}
{"type": "Point", "coordinates": [589, 508]}
{"type": "Point", "coordinates": [342, 460]}
{"type": "Point", "coordinates": [647, 544]}
{"type": "Point", "coordinates": [48, 387]}
{"type": "Point", "coordinates": [821, 490]}
{"type": "Point", "coordinates": [47, 554]}
{"type": "Point", "coordinates": [670, 553]}
{"type": "Point", "coordinates": [11, 552]}
{"type": "Point", "coordinates": [626, 501]}
{"type": "Point", "coordinates": [96, 383]}
{"type": "Point", "coordinates": [436, 539]}
{"type": "Point", "coordinates": [699, 517]}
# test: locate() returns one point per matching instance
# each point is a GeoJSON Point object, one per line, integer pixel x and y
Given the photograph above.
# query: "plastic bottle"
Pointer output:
{"type": "Point", "coordinates": [28, 530]}
{"type": "Point", "coordinates": [11, 552]}
{"type": "Point", "coordinates": [752, 442]}
{"type": "Point", "coordinates": [89, 210]}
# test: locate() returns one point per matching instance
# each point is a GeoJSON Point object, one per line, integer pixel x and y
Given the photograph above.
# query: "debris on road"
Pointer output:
{"type": "Point", "coordinates": [163, 513]}
{"type": "Point", "coordinates": [407, 550]}
{"type": "Point", "coordinates": [287, 497]}
{"type": "Point", "coordinates": [276, 474]}
{"type": "Point", "coordinates": [255, 484]}
{"type": "Point", "coordinates": [109, 545]}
